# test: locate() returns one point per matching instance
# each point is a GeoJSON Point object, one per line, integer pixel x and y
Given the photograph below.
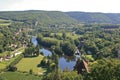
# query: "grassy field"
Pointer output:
{"type": "Point", "coordinates": [73, 36]}
{"type": "Point", "coordinates": [7, 62]}
{"type": "Point", "coordinates": [54, 39]}
{"type": "Point", "coordinates": [18, 76]}
{"type": "Point", "coordinates": [4, 64]}
{"type": "Point", "coordinates": [31, 63]}
{"type": "Point", "coordinates": [4, 22]}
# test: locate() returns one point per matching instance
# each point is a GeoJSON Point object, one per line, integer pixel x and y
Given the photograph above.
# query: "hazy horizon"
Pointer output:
{"type": "Point", "coordinates": [103, 6]}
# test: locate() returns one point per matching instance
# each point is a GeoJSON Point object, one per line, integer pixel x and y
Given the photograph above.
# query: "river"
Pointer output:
{"type": "Point", "coordinates": [64, 61]}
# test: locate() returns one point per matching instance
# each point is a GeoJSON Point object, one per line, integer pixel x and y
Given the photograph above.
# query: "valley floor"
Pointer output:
{"type": "Point", "coordinates": [31, 63]}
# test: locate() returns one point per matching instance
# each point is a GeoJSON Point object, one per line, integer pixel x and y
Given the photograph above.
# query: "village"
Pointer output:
{"type": "Point", "coordinates": [7, 57]}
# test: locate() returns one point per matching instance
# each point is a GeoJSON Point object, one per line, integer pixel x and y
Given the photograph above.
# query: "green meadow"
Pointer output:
{"type": "Point", "coordinates": [4, 22]}
{"type": "Point", "coordinates": [31, 63]}
{"type": "Point", "coordinates": [19, 76]}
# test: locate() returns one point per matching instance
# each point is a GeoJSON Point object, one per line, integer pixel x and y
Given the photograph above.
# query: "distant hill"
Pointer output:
{"type": "Point", "coordinates": [43, 17]}
{"type": "Point", "coordinates": [57, 17]}
{"type": "Point", "coordinates": [89, 17]}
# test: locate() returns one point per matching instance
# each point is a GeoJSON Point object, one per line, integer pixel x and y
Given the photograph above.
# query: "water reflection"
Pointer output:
{"type": "Point", "coordinates": [34, 41]}
{"type": "Point", "coordinates": [64, 61]}
{"type": "Point", "coordinates": [67, 62]}
{"type": "Point", "coordinates": [46, 52]}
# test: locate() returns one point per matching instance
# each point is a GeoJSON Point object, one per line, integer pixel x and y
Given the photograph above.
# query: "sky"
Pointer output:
{"type": "Point", "coordinates": [105, 6]}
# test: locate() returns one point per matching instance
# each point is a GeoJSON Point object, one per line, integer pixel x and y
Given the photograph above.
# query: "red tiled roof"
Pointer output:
{"type": "Point", "coordinates": [86, 66]}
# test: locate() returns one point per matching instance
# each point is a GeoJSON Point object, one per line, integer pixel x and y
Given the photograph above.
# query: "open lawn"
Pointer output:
{"type": "Point", "coordinates": [18, 76]}
{"type": "Point", "coordinates": [2, 66]}
{"type": "Point", "coordinates": [5, 63]}
{"type": "Point", "coordinates": [31, 63]}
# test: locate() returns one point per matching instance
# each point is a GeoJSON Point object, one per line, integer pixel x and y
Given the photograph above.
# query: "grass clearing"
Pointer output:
{"type": "Point", "coordinates": [4, 22]}
{"type": "Point", "coordinates": [48, 38]}
{"type": "Point", "coordinates": [19, 76]}
{"type": "Point", "coordinates": [31, 63]}
{"type": "Point", "coordinates": [2, 66]}
{"type": "Point", "coordinates": [72, 35]}
{"type": "Point", "coordinates": [5, 63]}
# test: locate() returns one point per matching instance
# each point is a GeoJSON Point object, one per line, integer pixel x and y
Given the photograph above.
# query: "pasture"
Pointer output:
{"type": "Point", "coordinates": [31, 63]}
{"type": "Point", "coordinates": [19, 76]}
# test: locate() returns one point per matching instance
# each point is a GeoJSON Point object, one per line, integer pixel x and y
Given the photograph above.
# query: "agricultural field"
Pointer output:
{"type": "Point", "coordinates": [4, 22]}
{"type": "Point", "coordinates": [19, 76]}
{"type": "Point", "coordinates": [31, 63]}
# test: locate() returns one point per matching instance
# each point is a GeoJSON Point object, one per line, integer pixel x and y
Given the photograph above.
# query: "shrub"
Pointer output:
{"type": "Point", "coordinates": [30, 71]}
{"type": "Point", "coordinates": [12, 68]}
{"type": "Point", "coordinates": [16, 60]}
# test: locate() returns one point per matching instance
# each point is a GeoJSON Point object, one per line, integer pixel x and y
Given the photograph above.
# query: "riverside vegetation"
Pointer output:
{"type": "Point", "coordinates": [98, 44]}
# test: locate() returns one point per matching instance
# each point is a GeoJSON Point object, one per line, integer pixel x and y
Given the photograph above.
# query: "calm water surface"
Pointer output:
{"type": "Point", "coordinates": [64, 61]}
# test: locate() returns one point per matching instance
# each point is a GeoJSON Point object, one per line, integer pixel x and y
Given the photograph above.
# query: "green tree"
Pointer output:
{"type": "Point", "coordinates": [31, 51]}
{"type": "Point", "coordinates": [77, 42]}
{"type": "Point", "coordinates": [104, 69]}
{"type": "Point", "coordinates": [68, 48]}
{"type": "Point", "coordinates": [64, 35]}
{"type": "Point", "coordinates": [58, 50]}
{"type": "Point", "coordinates": [30, 71]}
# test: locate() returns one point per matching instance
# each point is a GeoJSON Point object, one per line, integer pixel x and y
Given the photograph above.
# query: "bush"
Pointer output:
{"type": "Point", "coordinates": [16, 60]}
{"type": "Point", "coordinates": [12, 68]}
{"type": "Point", "coordinates": [41, 53]}
{"type": "Point", "coordinates": [30, 71]}
{"type": "Point", "coordinates": [104, 69]}
{"type": "Point", "coordinates": [63, 76]}
{"type": "Point", "coordinates": [11, 65]}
